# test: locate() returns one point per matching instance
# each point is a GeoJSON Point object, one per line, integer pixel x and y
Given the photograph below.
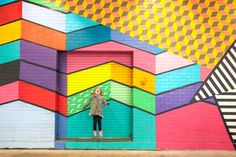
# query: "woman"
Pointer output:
{"type": "Point", "coordinates": [96, 100]}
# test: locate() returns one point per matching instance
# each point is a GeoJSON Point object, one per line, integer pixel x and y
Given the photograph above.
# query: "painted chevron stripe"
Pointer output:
{"type": "Point", "coordinates": [42, 97]}
{"type": "Point", "coordinates": [10, 32]}
{"type": "Point", "coordinates": [9, 72]}
{"type": "Point", "coordinates": [227, 106]}
{"type": "Point", "coordinates": [10, 52]}
{"type": "Point", "coordinates": [79, 60]}
{"type": "Point", "coordinates": [84, 79]}
{"type": "Point", "coordinates": [43, 35]}
{"type": "Point", "coordinates": [10, 12]}
{"type": "Point", "coordinates": [222, 78]}
{"type": "Point", "coordinates": [11, 94]}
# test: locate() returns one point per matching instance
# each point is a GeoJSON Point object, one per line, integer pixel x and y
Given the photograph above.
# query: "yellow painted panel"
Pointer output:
{"type": "Point", "coordinates": [144, 80]}
{"type": "Point", "coordinates": [10, 32]}
{"type": "Point", "coordinates": [121, 73]}
{"type": "Point", "coordinates": [87, 78]}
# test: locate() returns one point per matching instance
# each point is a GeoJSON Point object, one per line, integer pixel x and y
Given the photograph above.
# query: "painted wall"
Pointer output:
{"type": "Point", "coordinates": [51, 60]}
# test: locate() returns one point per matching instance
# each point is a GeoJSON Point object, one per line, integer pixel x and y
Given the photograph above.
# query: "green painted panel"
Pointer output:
{"type": "Point", "coordinates": [121, 93]}
{"type": "Point", "coordinates": [144, 135]}
{"type": "Point", "coordinates": [117, 122]}
{"type": "Point", "coordinates": [10, 52]}
{"type": "Point", "coordinates": [48, 4]}
{"type": "Point", "coordinates": [75, 102]}
{"type": "Point", "coordinates": [144, 100]}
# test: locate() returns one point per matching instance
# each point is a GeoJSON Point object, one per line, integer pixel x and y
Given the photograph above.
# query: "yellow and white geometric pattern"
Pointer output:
{"type": "Point", "coordinates": [198, 30]}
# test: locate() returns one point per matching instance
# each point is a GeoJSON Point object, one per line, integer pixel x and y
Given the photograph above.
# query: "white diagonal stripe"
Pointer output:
{"type": "Point", "coordinates": [197, 98]}
{"type": "Point", "coordinates": [233, 52]}
{"type": "Point", "coordinates": [222, 79]}
{"type": "Point", "coordinates": [203, 95]}
{"type": "Point", "coordinates": [227, 75]}
{"type": "Point", "coordinates": [217, 83]}
{"type": "Point", "coordinates": [212, 87]}
{"type": "Point", "coordinates": [207, 91]}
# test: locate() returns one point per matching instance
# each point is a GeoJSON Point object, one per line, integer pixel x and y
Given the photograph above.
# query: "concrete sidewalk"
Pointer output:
{"type": "Point", "coordinates": [113, 153]}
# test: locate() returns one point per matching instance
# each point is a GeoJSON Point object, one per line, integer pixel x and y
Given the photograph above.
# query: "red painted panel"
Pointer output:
{"type": "Point", "coordinates": [9, 92]}
{"type": "Point", "coordinates": [84, 59]}
{"type": "Point", "coordinates": [197, 126]}
{"type": "Point", "coordinates": [10, 12]}
{"type": "Point", "coordinates": [42, 97]}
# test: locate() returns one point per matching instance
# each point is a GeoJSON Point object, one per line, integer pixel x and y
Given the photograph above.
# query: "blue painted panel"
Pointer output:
{"type": "Point", "coordinates": [10, 52]}
{"type": "Point", "coordinates": [133, 42]}
{"type": "Point", "coordinates": [2, 2]}
{"type": "Point", "coordinates": [177, 78]}
{"type": "Point", "coordinates": [116, 121]}
{"type": "Point", "coordinates": [87, 37]}
{"type": "Point", "coordinates": [75, 22]}
{"type": "Point", "coordinates": [61, 126]}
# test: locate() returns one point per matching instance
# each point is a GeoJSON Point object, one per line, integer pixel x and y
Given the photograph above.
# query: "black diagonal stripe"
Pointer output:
{"type": "Point", "coordinates": [234, 57]}
{"type": "Point", "coordinates": [231, 64]}
{"type": "Point", "coordinates": [220, 81]}
{"type": "Point", "coordinates": [226, 79]}
{"type": "Point", "coordinates": [230, 75]}
{"type": "Point", "coordinates": [9, 72]}
{"type": "Point", "coordinates": [215, 85]}
{"type": "Point", "coordinates": [204, 92]}
{"type": "Point", "coordinates": [209, 88]}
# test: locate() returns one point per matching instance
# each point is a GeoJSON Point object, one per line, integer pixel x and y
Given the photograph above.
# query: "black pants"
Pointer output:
{"type": "Point", "coordinates": [97, 119]}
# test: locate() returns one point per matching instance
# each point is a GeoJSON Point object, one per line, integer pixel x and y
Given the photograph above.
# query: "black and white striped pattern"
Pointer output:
{"type": "Point", "coordinates": [222, 78]}
{"type": "Point", "coordinates": [227, 105]}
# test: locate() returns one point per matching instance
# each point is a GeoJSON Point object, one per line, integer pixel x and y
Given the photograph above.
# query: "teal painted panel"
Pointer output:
{"type": "Point", "coordinates": [144, 135]}
{"type": "Point", "coordinates": [10, 52]}
{"type": "Point", "coordinates": [116, 122]}
{"type": "Point", "coordinates": [2, 2]}
{"type": "Point", "coordinates": [144, 126]}
{"type": "Point", "coordinates": [75, 22]}
{"type": "Point", "coordinates": [177, 78]}
{"type": "Point", "coordinates": [87, 37]}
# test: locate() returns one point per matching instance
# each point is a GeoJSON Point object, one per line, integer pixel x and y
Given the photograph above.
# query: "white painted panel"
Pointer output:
{"type": "Point", "coordinates": [26, 126]}
{"type": "Point", "coordinates": [44, 16]}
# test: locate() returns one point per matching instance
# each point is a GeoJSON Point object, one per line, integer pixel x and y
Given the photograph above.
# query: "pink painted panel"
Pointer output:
{"type": "Point", "coordinates": [9, 92]}
{"type": "Point", "coordinates": [196, 126]}
{"type": "Point", "coordinates": [141, 59]}
{"type": "Point", "coordinates": [85, 59]}
{"type": "Point", "coordinates": [204, 72]}
{"type": "Point", "coordinates": [168, 61]}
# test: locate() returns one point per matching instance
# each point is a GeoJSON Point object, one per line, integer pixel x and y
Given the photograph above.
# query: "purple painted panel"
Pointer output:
{"type": "Point", "coordinates": [38, 75]}
{"type": "Point", "coordinates": [38, 54]}
{"type": "Point", "coordinates": [62, 56]}
{"type": "Point", "coordinates": [212, 100]}
{"type": "Point", "coordinates": [176, 98]}
{"type": "Point", "coordinates": [62, 84]}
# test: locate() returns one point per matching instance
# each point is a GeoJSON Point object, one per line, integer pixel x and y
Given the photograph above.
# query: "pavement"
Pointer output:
{"type": "Point", "coordinates": [111, 153]}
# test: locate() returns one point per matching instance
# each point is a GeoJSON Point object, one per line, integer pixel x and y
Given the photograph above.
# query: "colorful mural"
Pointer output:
{"type": "Point", "coordinates": [51, 59]}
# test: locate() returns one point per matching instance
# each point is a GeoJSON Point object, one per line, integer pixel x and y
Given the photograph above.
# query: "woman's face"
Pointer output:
{"type": "Point", "coordinates": [97, 91]}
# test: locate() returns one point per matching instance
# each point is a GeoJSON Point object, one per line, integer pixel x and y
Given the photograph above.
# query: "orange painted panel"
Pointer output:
{"type": "Point", "coordinates": [43, 35]}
